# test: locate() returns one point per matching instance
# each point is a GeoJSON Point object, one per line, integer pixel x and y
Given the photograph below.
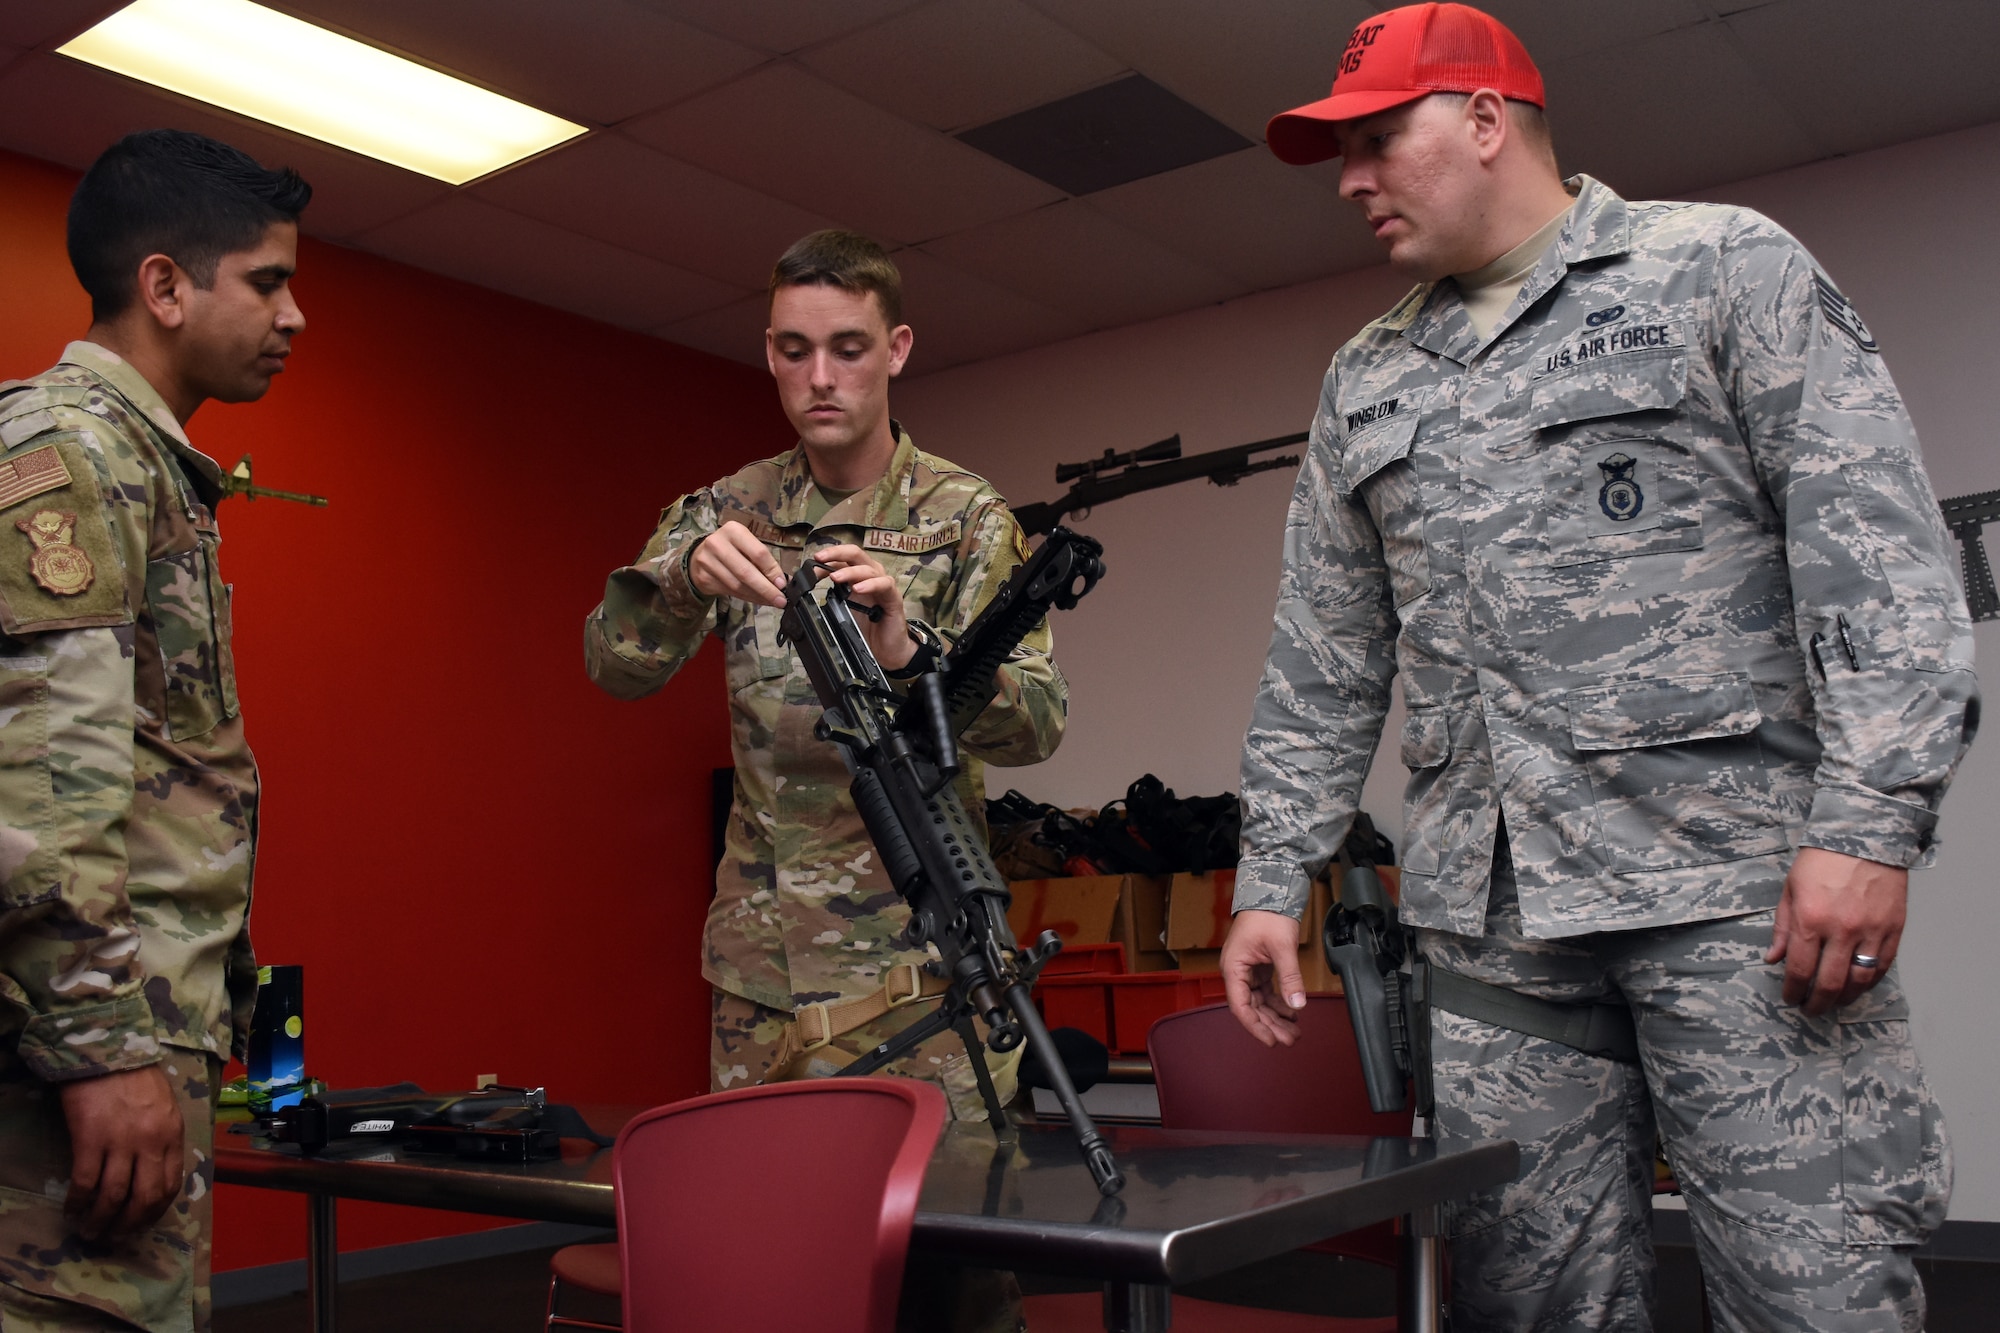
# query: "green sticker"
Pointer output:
{"type": "Point", "coordinates": [294, 1026]}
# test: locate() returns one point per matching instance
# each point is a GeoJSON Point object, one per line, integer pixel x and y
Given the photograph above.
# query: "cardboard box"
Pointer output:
{"type": "Point", "coordinates": [1097, 909]}
{"type": "Point", "coordinates": [1198, 915]}
{"type": "Point", "coordinates": [1079, 910]}
{"type": "Point", "coordinates": [1142, 923]}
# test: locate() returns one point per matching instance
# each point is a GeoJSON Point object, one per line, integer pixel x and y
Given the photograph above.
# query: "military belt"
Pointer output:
{"type": "Point", "coordinates": [1603, 1029]}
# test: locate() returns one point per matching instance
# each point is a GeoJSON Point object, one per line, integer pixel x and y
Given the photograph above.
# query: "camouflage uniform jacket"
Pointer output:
{"type": "Point", "coordinates": [127, 794]}
{"type": "Point", "coordinates": [1660, 571]}
{"type": "Point", "coordinates": [803, 911]}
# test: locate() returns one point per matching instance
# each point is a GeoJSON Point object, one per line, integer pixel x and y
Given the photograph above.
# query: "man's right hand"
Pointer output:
{"type": "Point", "coordinates": [1260, 972]}
{"type": "Point", "coordinates": [127, 1154]}
{"type": "Point", "coordinates": [731, 562]}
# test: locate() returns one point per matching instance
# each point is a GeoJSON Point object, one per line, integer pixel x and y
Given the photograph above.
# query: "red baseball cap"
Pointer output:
{"type": "Point", "coordinates": [1400, 56]}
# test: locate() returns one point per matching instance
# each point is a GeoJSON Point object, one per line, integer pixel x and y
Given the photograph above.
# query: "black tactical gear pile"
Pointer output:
{"type": "Point", "coordinates": [1150, 832]}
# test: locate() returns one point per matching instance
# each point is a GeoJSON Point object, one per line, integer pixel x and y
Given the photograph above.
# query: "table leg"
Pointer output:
{"type": "Point", "coordinates": [322, 1262]}
{"type": "Point", "coordinates": [1137, 1307]}
{"type": "Point", "coordinates": [1420, 1295]}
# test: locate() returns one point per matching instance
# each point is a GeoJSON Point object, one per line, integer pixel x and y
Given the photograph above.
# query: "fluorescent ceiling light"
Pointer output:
{"type": "Point", "coordinates": [272, 67]}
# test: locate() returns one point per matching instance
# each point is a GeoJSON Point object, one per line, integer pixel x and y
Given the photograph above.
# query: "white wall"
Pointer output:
{"type": "Point", "coordinates": [1163, 658]}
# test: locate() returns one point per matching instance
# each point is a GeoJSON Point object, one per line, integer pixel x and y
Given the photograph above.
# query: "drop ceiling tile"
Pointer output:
{"type": "Point", "coordinates": [476, 242]}
{"type": "Point", "coordinates": [51, 22]}
{"type": "Point", "coordinates": [350, 193]}
{"type": "Point", "coordinates": [958, 316]}
{"type": "Point", "coordinates": [1561, 29]}
{"type": "Point", "coordinates": [1072, 258]}
{"type": "Point", "coordinates": [788, 134]}
{"type": "Point", "coordinates": [598, 61]}
{"type": "Point", "coordinates": [644, 201]}
{"type": "Point", "coordinates": [1246, 215]}
{"type": "Point", "coordinates": [1242, 62]}
{"type": "Point", "coordinates": [1859, 79]}
{"type": "Point", "coordinates": [780, 25]}
{"type": "Point", "coordinates": [962, 62]}
{"type": "Point", "coordinates": [1668, 114]}
{"type": "Point", "coordinates": [734, 332]}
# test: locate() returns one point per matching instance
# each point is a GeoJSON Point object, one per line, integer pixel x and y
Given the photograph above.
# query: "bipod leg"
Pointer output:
{"type": "Point", "coordinates": [975, 1051]}
{"type": "Point", "coordinates": [1096, 1155]}
{"type": "Point", "coordinates": [940, 1019]}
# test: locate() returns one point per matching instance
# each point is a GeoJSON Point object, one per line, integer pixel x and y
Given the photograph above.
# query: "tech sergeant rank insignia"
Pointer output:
{"type": "Point", "coordinates": [1620, 497]}
{"type": "Point", "coordinates": [60, 567]}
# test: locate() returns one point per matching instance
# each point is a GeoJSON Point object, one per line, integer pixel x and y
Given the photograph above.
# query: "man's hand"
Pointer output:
{"type": "Point", "coordinates": [1834, 907]}
{"type": "Point", "coordinates": [1260, 971]}
{"type": "Point", "coordinates": [868, 584]}
{"type": "Point", "coordinates": [731, 562]}
{"type": "Point", "coordinates": [128, 1160]}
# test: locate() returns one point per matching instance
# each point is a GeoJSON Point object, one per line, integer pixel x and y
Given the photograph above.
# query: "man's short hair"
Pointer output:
{"type": "Point", "coordinates": [175, 193]}
{"type": "Point", "coordinates": [844, 259]}
{"type": "Point", "coordinates": [1532, 121]}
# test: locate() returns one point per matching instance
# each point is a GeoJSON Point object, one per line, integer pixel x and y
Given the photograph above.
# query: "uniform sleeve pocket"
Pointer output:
{"type": "Point", "coordinates": [1677, 773]}
{"type": "Point", "coordinates": [1901, 522]}
{"type": "Point", "coordinates": [27, 796]}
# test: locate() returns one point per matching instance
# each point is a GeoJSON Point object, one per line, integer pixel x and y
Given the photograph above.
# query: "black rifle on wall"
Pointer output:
{"type": "Point", "coordinates": [1966, 515]}
{"type": "Point", "coordinates": [1114, 476]}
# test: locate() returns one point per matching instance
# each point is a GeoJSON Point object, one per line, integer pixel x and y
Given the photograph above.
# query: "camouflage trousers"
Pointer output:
{"type": "Point", "coordinates": [935, 1298]}
{"type": "Point", "coordinates": [54, 1281]}
{"type": "Point", "coordinates": [1809, 1150]}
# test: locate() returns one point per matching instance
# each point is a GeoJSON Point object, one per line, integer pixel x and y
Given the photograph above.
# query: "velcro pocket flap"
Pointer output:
{"type": "Point", "coordinates": [1662, 712]}
{"type": "Point", "coordinates": [1641, 381]}
{"type": "Point", "coordinates": [1379, 445]}
{"type": "Point", "coordinates": [1426, 739]}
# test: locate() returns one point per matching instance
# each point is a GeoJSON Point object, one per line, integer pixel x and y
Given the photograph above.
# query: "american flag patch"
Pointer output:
{"type": "Point", "coordinates": [1840, 313]}
{"type": "Point", "coordinates": [32, 473]}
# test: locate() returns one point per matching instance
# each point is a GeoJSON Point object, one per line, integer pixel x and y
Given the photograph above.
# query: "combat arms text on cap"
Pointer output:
{"type": "Point", "coordinates": [1399, 56]}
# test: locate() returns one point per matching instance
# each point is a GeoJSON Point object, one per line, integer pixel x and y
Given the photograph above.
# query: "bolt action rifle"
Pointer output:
{"type": "Point", "coordinates": [1096, 481]}
{"type": "Point", "coordinates": [903, 753]}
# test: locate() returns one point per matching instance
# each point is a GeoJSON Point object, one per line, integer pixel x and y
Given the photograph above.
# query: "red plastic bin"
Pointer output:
{"type": "Point", "coordinates": [1087, 959]}
{"type": "Point", "coordinates": [1120, 1010]}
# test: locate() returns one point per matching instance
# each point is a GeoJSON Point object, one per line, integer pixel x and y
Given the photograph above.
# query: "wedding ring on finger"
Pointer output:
{"type": "Point", "coordinates": [1867, 960]}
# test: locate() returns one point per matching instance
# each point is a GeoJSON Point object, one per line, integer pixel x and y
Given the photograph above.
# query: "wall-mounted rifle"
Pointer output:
{"type": "Point", "coordinates": [1114, 476]}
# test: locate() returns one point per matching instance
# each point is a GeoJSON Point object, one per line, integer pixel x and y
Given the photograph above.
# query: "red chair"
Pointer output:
{"type": "Point", "coordinates": [830, 1168]}
{"type": "Point", "coordinates": [1213, 1075]}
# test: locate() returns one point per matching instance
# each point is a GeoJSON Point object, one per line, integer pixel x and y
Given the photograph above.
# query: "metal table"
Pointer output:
{"type": "Point", "coordinates": [1195, 1204]}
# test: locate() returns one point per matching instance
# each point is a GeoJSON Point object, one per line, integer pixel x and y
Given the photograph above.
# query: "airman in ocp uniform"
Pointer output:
{"type": "Point", "coordinates": [127, 794]}
{"type": "Point", "coordinates": [806, 943]}
{"type": "Point", "coordinates": [1625, 496]}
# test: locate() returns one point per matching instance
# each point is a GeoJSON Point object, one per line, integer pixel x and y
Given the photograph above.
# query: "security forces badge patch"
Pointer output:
{"type": "Point", "coordinates": [1620, 497]}
{"type": "Point", "coordinates": [60, 567]}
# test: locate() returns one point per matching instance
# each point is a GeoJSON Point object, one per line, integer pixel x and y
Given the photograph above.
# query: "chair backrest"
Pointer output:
{"type": "Point", "coordinates": [1213, 1075]}
{"type": "Point", "coordinates": [786, 1206]}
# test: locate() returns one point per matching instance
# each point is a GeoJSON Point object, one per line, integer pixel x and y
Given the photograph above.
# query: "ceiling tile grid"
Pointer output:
{"type": "Point", "coordinates": [466, 238]}
{"type": "Point", "coordinates": [785, 133]}
{"type": "Point", "coordinates": [723, 130]}
{"type": "Point", "coordinates": [958, 63]}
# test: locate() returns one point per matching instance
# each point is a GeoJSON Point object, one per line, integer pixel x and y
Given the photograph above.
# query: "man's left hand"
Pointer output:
{"type": "Point", "coordinates": [1833, 908]}
{"type": "Point", "coordinates": [869, 584]}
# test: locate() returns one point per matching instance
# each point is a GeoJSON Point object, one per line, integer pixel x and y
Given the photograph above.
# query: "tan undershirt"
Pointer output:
{"type": "Point", "coordinates": [1488, 291]}
{"type": "Point", "coordinates": [821, 501]}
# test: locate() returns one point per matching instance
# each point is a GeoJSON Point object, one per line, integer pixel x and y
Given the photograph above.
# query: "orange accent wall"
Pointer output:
{"type": "Point", "coordinates": [485, 865]}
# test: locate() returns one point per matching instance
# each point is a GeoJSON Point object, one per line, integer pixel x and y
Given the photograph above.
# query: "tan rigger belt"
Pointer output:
{"type": "Point", "coordinates": [815, 1025]}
